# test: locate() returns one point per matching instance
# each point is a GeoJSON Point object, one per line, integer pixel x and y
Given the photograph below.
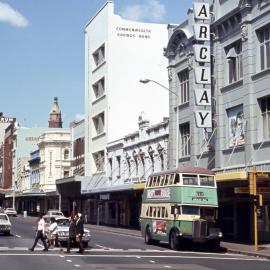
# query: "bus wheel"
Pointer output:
{"type": "Point", "coordinates": [147, 236]}
{"type": "Point", "coordinates": [174, 241]}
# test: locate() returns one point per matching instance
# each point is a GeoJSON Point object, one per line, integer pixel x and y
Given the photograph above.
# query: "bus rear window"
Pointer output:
{"type": "Point", "coordinates": [190, 210]}
{"type": "Point", "coordinates": [190, 180]}
{"type": "Point", "coordinates": [207, 181]}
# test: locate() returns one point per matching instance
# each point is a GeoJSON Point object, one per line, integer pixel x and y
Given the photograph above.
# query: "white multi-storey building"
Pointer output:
{"type": "Point", "coordinates": [54, 148]}
{"type": "Point", "coordinates": [118, 53]}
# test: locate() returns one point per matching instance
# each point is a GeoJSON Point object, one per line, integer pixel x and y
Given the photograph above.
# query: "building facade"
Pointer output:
{"type": "Point", "coordinates": [238, 138]}
{"type": "Point", "coordinates": [116, 199]}
{"type": "Point", "coordinates": [118, 53]}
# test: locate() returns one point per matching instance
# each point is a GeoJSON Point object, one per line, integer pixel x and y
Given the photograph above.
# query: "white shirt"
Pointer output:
{"type": "Point", "coordinates": [53, 228]}
{"type": "Point", "coordinates": [41, 225]}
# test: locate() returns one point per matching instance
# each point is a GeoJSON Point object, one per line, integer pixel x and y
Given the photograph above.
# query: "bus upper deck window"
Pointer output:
{"type": "Point", "coordinates": [176, 179]}
{"type": "Point", "coordinates": [190, 180]}
{"type": "Point", "coordinates": [166, 180]}
{"type": "Point", "coordinates": [162, 178]}
{"type": "Point", "coordinates": [171, 181]}
{"type": "Point", "coordinates": [207, 180]}
{"type": "Point", "coordinates": [158, 181]}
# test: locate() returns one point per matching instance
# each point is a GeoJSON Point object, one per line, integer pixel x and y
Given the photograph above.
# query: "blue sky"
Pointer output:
{"type": "Point", "coordinates": [42, 51]}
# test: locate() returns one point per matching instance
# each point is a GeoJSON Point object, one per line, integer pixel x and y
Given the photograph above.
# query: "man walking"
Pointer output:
{"type": "Point", "coordinates": [40, 233]}
{"type": "Point", "coordinates": [72, 233]}
{"type": "Point", "coordinates": [79, 231]}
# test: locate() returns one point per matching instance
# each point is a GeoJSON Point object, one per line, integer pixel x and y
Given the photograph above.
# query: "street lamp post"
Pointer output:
{"type": "Point", "coordinates": [145, 81]}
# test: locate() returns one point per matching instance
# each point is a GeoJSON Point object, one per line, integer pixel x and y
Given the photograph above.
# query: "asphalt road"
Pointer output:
{"type": "Point", "coordinates": [112, 251]}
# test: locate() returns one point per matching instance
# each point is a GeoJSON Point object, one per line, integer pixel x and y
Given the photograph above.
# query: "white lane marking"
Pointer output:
{"type": "Point", "coordinates": [69, 260]}
{"type": "Point", "coordinates": [102, 246]}
{"type": "Point", "coordinates": [62, 256]}
{"type": "Point", "coordinates": [138, 257]}
{"type": "Point", "coordinates": [152, 261]}
{"type": "Point", "coordinates": [134, 256]}
{"type": "Point", "coordinates": [77, 265]}
{"type": "Point", "coordinates": [167, 266]}
{"type": "Point", "coordinates": [18, 236]}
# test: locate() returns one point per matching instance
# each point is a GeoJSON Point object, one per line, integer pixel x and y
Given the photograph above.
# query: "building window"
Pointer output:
{"type": "Point", "coordinates": [151, 155]}
{"type": "Point", "coordinates": [66, 154]}
{"type": "Point", "coordinates": [185, 140]}
{"type": "Point", "coordinates": [99, 88]}
{"type": "Point", "coordinates": [111, 167]}
{"type": "Point", "coordinates": [264, 44]}
{"type": "Point", "coordinates": [99, 123]}
{"type": "Point", "coordinates": [184, 86]}
{"type": "Point", "coordinates": [265, 109]}
{"type": "Point", "coordinates": [236, 126]}
{"type": "Point", "coordinates": [235, 62]}
{"type": "Point", "coordinates": [99, 55]}
{"type": "Point", "coordinates": [118, 158]}
{"type": "Point", "coordinates": [99, 160]}
{"type": "Point", "coordinates": [66, 174]}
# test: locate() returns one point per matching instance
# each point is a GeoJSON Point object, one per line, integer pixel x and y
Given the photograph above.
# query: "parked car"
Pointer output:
{"type": "Point", "coordinates": [54, 212]}
{"type": "Point", "coordinates": [10, 212]}
{"type": "Point", "coordinates": [5, 225]}
{"type": "Point", "coordinates": [63, 229]}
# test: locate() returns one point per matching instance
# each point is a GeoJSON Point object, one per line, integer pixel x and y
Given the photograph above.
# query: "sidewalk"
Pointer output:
{"type": "Point", "coordinates": [231, 247]}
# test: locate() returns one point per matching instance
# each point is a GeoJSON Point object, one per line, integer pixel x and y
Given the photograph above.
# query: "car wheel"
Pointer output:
{"type": "Point", "coordinates": [7, 233]}
{"type": "Point", "coordinates": [174, 241]}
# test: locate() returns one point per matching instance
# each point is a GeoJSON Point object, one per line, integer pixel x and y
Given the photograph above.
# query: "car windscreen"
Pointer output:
{"type": "Point", "coordinates": [63, 222]}
{"type": "Point", "coordinates": [3, 217]}
{"type": "Point", "coordinates": [56, 213]}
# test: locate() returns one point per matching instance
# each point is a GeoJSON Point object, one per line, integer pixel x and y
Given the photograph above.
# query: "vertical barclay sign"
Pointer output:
{"type": "Point", "coordinates": [202, 89]}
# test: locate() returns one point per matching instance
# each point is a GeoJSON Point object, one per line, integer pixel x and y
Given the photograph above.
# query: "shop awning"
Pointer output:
{"type": "Point", "coordinates": [231, 176]}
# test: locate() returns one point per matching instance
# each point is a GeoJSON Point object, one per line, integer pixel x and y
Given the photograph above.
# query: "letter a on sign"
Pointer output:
{"type": "Point", "coordinates": [203, 97]}
{"type": "Point", "coordinates": [201, 11]}
{"type": "Point", "coordinates": [203, 119]}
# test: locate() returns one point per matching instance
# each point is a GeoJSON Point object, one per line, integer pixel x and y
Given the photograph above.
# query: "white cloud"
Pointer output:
{"type": "Point", "coordinates": [151, 10]}
{"type": "Point", "coordinates": [12, 16]}
{"type": "Point", "coordinates": [79, 116]}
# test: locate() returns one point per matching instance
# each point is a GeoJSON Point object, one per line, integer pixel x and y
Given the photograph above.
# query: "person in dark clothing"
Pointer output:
{"type": "Point", "coordinates": [79, 232]}
{"type": "Point", "coordinates": [72, 233]}
{"type": "Point", "coordinates": [40, 233]}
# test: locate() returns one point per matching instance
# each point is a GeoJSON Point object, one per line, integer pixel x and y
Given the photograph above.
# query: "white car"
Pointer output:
{"type": "Point", "coordinates": [5, 224]}
{"type": "Point", "coordinates": [10, 212]}
{"type": "Point", "coordinates": [54, 213]}
{"type": "Point", "coordinates": [63, 230]}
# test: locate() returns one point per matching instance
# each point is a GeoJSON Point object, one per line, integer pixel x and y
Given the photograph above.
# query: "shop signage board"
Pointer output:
{"type": "Point", "coordinates": [202, 55]}
{"type": "Point", "coordinates": [245, 190]}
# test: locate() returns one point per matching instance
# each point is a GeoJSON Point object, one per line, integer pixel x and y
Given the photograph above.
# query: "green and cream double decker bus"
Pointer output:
{"type": "Point", "coordinates": [179, 206]}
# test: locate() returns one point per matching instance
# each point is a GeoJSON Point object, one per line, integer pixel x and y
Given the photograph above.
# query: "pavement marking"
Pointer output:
{"type": "Point", "coordinates": [134, 256]}
{"type": "Point", "coordinates": [77, 265]}
{"type": "Point", "coordinates": [69, 261]}
{"type": "Point", "coordinates": [102, 246]}
{"type": "Point", "coordinates": [18, 236]}
{"type": "Point", "coordinates": [167, 266]}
